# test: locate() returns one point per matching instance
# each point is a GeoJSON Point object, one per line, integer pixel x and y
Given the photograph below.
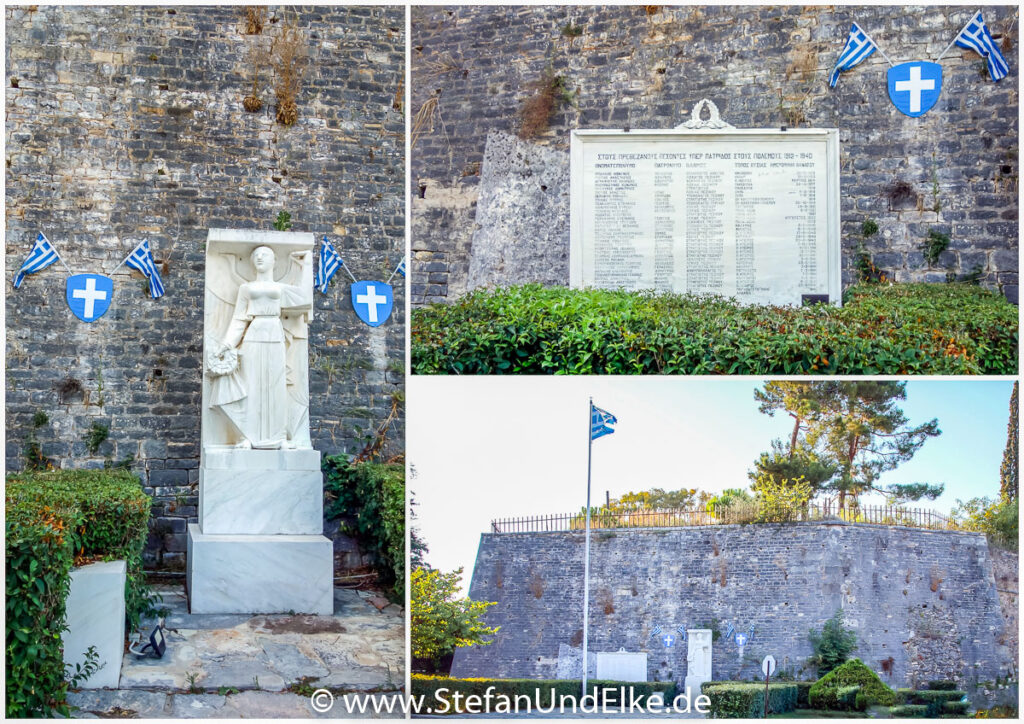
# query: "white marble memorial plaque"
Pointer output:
{"type": "Point", "coordinates": [745, 213]}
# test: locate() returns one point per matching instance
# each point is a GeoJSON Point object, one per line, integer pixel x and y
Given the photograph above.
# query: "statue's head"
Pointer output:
{"type": "Point", "coordinates": [262, 258]}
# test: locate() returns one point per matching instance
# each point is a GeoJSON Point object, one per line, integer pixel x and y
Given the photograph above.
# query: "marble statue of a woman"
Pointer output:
{"type": "Point", "coordinates": [253, 380]}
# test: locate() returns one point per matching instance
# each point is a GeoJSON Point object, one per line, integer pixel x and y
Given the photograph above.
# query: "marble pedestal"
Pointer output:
{"type": "Point", "coordinates": [95, 615]}
{"type": "Point", "coordinates": [259, 545]}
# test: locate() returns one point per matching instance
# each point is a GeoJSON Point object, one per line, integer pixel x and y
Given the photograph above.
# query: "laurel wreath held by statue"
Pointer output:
{"type": "Point", "coordinates": [222, 362]}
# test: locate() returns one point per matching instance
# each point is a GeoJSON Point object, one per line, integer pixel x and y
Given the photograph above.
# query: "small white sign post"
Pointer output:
{"type": "Point", "coordinates": [768, 667]}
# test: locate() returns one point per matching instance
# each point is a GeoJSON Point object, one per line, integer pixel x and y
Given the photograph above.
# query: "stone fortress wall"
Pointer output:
{"type": "Point", "coordinates": [954, 169]}
{"type": "Point", "coordinates": [924, 604]}
{"type": "Point", "coordinates": [126, 123]}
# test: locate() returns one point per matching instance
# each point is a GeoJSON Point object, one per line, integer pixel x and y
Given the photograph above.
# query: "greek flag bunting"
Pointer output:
{"type": "Point", "coordinates": [600, 421]}
{"type": "Point", "coordinates": [141, 259]}
{"type": "Point", "coordinates": [975, 36]}
{"type": "Point", "coordinates": [330, 263]}
{"type": "Point", "coordinates": [42, 255]}
{"type": "Point", "coordinates": [858, 47]}
{"type": "Point", "coordinates": [401, 268]}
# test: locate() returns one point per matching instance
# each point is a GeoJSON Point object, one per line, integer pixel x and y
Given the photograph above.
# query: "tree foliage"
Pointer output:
{"type": "Point", "coordinates": [997, 519]}
{"type": "Point", "coordinates": [1011, 463]}
{"type": "Point", "coordinates": [780, 501]}
{"type": "Point", "coordinates": [727, 498]}
{"type": "Point", "coordinates": [440, 620]}
{"type": "Point", "coordinates": [832, 645]}
{"type": "Point", "coordinates": [846, 434]}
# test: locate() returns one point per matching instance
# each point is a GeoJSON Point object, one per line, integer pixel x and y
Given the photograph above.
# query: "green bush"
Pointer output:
{"type": "Point", "coordinates": [826, 691]}
{"type": "Point", "coordinates": [53, 521]}
{"type": "Point", "coordinates": [846, 696]}
{"type": "Point", "coordinates": [741, 700]}
{"type": "Point", "coordinates": [901, 329]}
{"type": "Point", "coordinates": [908, 711]}
{"type": "Point", "coordinates": [536, 689]}
{"type": "Point", "coordinates": [955, 708]}
{"type": "Point", "coordinates": [933, 699]}
{"type": "Point", "coordinates": [374, 493]}
{"type": "Point", "coordinates": [942, 685]}
{"type": "Point", "coordinates": [832, 645]}
{"type": "Point", "coordinates": [803, 690]}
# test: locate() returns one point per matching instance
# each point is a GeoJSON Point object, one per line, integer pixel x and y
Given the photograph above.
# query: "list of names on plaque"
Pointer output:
{"type": "Point", "coordinates": [747, 222]}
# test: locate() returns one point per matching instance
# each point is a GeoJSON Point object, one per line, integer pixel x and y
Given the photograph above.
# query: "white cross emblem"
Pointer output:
{"type": "Point", "coordinates": [669, 639]}
{"type": "Point", "coordinates": [91, 295]}
{"type": "Point", "coordinates": [371, 300]}
{"type": "Point", "coordinates": [914, 86]}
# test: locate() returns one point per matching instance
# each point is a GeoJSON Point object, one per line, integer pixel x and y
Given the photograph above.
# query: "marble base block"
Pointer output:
{"type": "Point", "coordinates": [229, 458]}
{"type": "Point", "coordinates": [253, 502]}
{"type": "Point", "coordinates": [95, 616]}
{"type": "Point", "coordinates": [260, 573]}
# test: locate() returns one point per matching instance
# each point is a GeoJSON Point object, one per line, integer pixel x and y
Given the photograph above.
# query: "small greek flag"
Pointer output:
{"type": "Point", "coordinates": [975, 36]}
{"type": "Point", "coordinates": [858, 47]}
{"type": "Point", "coordinates": [401, 268]}
{"type": "Point", "coordinates": [141, 259]}
{"type": "Point", "coordinates": [330, 263]}
{"type": "Point", "coordinates": [42, 255]}
{"type": "Point", "coordinates": [600, 421]}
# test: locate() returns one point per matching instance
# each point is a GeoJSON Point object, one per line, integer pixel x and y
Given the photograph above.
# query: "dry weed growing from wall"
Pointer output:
{"type": "Point", "coordinates": [255, 19]}
{"type": "Point", "coordinates": [289, 58]}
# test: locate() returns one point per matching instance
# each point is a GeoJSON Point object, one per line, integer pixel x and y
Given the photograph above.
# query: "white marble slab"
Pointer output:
{"type": "Point", "coordinates": [281, 502]}
{"type": "Point", "coordinates": [95, 616]}
{"type": "Point", "coordinates": [228, 458]}
{"type": "Point", "coordinates": [698, 660]}
{"type": "Point", "coordinates": [260, 573]}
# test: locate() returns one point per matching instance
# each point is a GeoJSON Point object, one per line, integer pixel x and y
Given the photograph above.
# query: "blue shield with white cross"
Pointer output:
{"type": "Point", "coordinates": [89, 295]}
{"type": "Point", "coordinates": [372, 302]}
{"type": "Point", "coordinates": [914, 87]}
{"type": "Point", "coordinates": [668, 640]}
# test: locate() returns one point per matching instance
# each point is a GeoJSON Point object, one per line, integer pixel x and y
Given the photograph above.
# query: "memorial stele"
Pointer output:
{"type": "Point", "coordinates": [259, 545]}
{"type": "Point", "coordinates": [705, 209]}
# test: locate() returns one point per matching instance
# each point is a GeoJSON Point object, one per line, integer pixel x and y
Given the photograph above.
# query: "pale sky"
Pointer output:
{"type": "Point", "coordinates": [497, 447]}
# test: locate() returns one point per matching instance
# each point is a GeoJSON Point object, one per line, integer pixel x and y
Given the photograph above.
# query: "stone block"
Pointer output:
{"type": "Point", "coordinates": [226, 458]}
{"type": "Point", "coordinates": [95, 616]}
{"type": "Point", "coordinates": [271, 502]}
{"type": "Point", "coordinates": [259, 573]}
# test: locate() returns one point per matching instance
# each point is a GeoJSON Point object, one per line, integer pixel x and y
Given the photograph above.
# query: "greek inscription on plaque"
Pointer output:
{"type": "Point", "coordinates": [748, 214]}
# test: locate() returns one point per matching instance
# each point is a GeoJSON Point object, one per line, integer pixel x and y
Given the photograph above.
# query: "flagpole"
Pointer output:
{"type": "Point", "coordinates": [956, 36]}
{"type": "Point", "coordinates": [345, 267]}
{"type": "Point", "coordinates": [877, 46]}
{"type": "Point", "coordinates": [59, 257]}
{"type": "Point", "coordinates": [586, 546]}
{"type": "Point", "coordinates": [129, 255]}
{"type": "Point", "coordinates": [394, 272]}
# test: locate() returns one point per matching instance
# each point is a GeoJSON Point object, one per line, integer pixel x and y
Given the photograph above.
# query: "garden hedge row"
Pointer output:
{"type": "Point", "coordinates": [545, 689]}
{"type": "Point", "coordinates": [901, 329]}
{"type": "Point", "coordinates": [934, 700]}
{"type": "Point", "coordinates": [53, 521]}
{"type": "Point", "coordinates": [738, 700]}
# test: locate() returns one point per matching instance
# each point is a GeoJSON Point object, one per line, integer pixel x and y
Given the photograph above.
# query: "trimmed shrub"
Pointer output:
{"type": "Point", "coordinates": [544, 691]}
{"type": "Point", "coordinates": [846, 696]}
{"type": "Point", "coordinates": [375, 494]}
{"type": "Point", "coordinates": [942, 685]}
{"type": "Point", "coordinates": [742, 700]}
{"type": "Point", "coordinates": [902, 329]}
{"type": "Point", "coordinates": [825, 692]}
{"type": "Point", "coordinates": [908, 711]}
{"type": "Point", "coordinates": [803, 690]}
{"type": "Point", "coordinates": [55, 520]}
{"type": "Point", "coordinates": [933, 699]}
{"type": "Point", "coordinates": [955, 708]}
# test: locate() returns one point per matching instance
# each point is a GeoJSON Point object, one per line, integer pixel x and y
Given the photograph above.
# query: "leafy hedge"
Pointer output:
{"type": "Point", "coordinates": [53, 520]}
{"type": "Point", "coordinates": [740, 700]}
{"type": "Point", "coordinates": [803, 692]}
{"type": "Point", "coordinates": [933, 699]}
{"type": "Point", "coordinates": [908, 711]}
{"type": "Point", "coordinates": [375, 494]}
{"type": "Point", "coordinates": [832, 690]}
{"type": "Point", "coordinates": [541, 690]}
{"type": "Point", "coordinates": [902, 329]}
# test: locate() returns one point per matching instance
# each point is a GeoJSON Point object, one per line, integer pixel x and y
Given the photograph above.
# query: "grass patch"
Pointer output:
{"type": "Point", "coordinates": [901, 329]}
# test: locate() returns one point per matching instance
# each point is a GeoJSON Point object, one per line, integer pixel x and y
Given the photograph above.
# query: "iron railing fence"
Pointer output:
{"type": "Point", "coordinates": [726, 515]}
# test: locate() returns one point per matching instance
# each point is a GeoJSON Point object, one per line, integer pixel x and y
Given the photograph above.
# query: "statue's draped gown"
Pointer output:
{"type": "Point", "coordinates": [263, 370]}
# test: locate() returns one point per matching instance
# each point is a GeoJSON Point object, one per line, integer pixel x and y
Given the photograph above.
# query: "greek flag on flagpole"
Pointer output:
{"type": "Point", "coordinates": [600, 421]}
{"type": "Point", "coordinates": [858, 47]}
{"type": "Point", "coordinates": [141, 259]}
{"type": "Point", "coordinates": [975, 36]}
{"type": "Point", "coordinates": [42, 255]}
{"type": "Point", "coordinates": [330, 262]}
{"type": "Point", "coordinates": [401, 268]}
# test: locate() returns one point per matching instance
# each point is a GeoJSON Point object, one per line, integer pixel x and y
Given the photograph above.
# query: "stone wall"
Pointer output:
{"type": "Point", "coordinates": [126, 123]}
{"type": "Point", "coordinates": [954, 169]}
{"type": "Point", "coordinates": [924, 604]}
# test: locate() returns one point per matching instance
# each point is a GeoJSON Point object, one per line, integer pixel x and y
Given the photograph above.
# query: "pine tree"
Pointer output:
{"type": "Point", "coordinates": [1010, 467]}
